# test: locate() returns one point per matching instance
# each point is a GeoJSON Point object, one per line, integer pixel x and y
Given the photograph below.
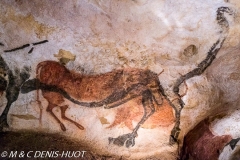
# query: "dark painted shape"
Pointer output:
{"type": "Point", "coordinates": [1, 44]}
{"type": "Point", "coordinates": [233, 143]}
{"type": "Point", "coordinates": [202, 66]}
{"type": "Point", "coordinates": [201, 144]}
{"type": "Point", "coordinates": [15, 82]}
{"type": "Point", "coordinates": [41, 42]}
{"type": "Point", "coordinates": [3, 84]}
{"type": "Point", "coordinates": [18, 48]}
{"type": "Point", "coordinates": [211, 55]}
{"type": "Point", "coordinates": [13, 89]}
{"type": "Point", "coordinates": [30, 51]}
{"type": "Point", "coordinates": [35, 84]}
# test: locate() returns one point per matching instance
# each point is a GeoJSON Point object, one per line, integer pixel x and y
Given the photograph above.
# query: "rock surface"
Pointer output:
{"type": "Point", "coordinates": [93, 37]}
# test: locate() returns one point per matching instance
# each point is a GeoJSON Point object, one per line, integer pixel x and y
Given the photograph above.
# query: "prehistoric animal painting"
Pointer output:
{"type": "Point", "coordinates": [132, 111]}
{"type": "Point", "coordinates": [107, 90]}
{"type": "Point", "coordinates": [11, 81]}
{"type": "Point", "coordinates": [117, 87]}
{"type": "Point", "coordinates": [202, 66]}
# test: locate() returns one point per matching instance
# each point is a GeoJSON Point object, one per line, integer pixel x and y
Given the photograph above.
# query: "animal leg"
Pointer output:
{"type": "Point", "coordinates": [149, 109]}
{"type": "Point", "coordinates": [176, 129]}
{"type": "Point", "coordinates": [3, 117]}
{"type": "Point", "coordinates": [182, 95]}
{"type": "Point", "coordinates": [63, 110]}
{"type": "Point", "coordinates": [12, 92]}
{"type": "Point", "coordinates": [157, 92]}
{"type": "Point", "coordinates": [41, 108]}
{"type": "Point", "coordinates": [156, 89]}
{"type": "Point", "coordinates": [49, 109]}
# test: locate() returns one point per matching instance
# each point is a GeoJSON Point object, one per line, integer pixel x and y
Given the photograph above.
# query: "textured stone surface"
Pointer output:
{"type": "Point", "coordinates": [200, 143]}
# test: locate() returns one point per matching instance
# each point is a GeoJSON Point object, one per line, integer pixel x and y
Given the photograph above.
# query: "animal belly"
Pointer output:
{"type": "Point", "coordinates": [132, 111]}
{"type": "Point", "coordinates": [53, 98]}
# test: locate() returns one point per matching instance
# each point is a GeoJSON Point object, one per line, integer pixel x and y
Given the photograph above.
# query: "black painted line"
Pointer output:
{"type": "Point", "coordinates": [30, 51]}
{"type": "Point", "coordinates": [37, 43]}
{"type": "Point", "coordinates": [18, 48]}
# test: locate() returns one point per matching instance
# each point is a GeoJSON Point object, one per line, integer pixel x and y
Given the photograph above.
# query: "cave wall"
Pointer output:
{"type": "Point", "coordinates": [94, 37]}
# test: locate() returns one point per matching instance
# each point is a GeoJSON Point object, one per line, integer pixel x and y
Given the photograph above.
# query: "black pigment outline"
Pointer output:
{"type": "Point", "coordinates": [25, 46]}
{"type": "Point", "coordinates": [211, 55]}
{"type": "Point", "coordinates": [15, 82]}
{"type": "Point", "coordinates": [116, 98]}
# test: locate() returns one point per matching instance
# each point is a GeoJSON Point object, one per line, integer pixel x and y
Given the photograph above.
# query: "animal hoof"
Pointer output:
{"type": "Point", "coordinates": [130, 142]}
{"type": "Point", "coordinates": [126, 139]}
{"type": "Point", "coordinates": [3, 125]}
{"type": "Point", "coordinates": [172, 140]}
{"type": "Point", "coordinates": [174, 135]}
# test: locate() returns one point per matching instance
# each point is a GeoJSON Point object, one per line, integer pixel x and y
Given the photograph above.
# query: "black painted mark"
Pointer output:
{"type": "Point", "coordinates": [3, 83]}
{"type": "Point", "coordinates": [41, 42]}
{"type": "Point", "coordinates": [201, 67]}
{"type": "Point", "coordinates": [30, 51]}
{"type": "Point", "coordinates": [233, 143]}
{"type": "Point", "coordinates": [222, 21]}
{"type": "Point", "coordinates": [211, 55]}
{"type": "Point", "coordinates": [13, 88]}
{"type": "Point", "coordinates": [1, 44]}
{"type": "Point", "coordinates": [18, 48]}
{"type": "Point", "coordinates": [25, 46]}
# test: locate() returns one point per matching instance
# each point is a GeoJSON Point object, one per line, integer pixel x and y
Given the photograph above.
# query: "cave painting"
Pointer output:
{"type": "Point", "coordinates": [202, 66]}
{"type": "Point", "coordinates": [107, 90]}
{"type": "Point", "coordinates": [132, 111]}
{"type": "Point", "coordinates": [10, 83]}
{"type": "Point", "coordinates": [25, 46]}
{"type": "Point", "coordinates": [12, 80]}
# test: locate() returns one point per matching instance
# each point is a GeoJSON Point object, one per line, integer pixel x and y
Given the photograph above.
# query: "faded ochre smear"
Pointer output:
{"type": "Point", "coordinates": [65, 56]}
{"type": "Point", "coordinates": [133, 111]}
{"type": "Point", "coordinates": [103, 120]}
{"type": "Point", "coordinates": [27, 23]}
{"type": "Point", "coordinates": [25, 116]}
